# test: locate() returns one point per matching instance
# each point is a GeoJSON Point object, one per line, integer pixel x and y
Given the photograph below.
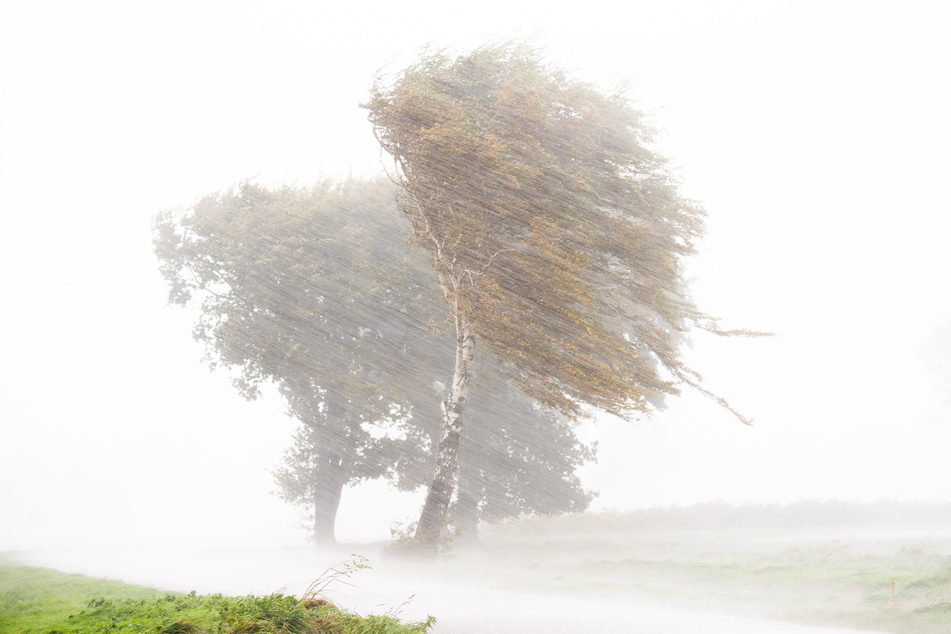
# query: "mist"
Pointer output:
{"type": "Point", "coordinates": [812, 135]}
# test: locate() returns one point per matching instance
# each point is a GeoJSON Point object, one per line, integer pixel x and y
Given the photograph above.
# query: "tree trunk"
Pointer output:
{"type": "Point", "coordinates": [436, 509]}
{"type": "Point", "coordinates": [332, 472]}
{"type": "Point", "coordinates": [327, 492]}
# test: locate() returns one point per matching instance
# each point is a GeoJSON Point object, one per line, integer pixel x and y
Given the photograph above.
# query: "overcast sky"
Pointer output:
{"type": "Point", "coordinates": [815, 135]}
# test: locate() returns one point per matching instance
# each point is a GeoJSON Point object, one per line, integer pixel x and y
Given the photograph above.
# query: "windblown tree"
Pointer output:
{"type": "Point", "coordinates": [555, 232]}
{"type": "Point", "coordinates": [318, 291]}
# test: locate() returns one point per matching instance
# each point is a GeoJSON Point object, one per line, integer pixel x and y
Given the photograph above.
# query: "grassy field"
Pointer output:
{"type": "Point", "coordinates": [42, 601]}
{"type": "Point", "coordinates": [883, 567]}
{"type": "Point", "coordinates": [789, 564]}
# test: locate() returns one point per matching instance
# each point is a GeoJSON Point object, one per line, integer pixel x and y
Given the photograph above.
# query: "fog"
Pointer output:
{"type": "Point", "coordinates": [461, 607]}
{"type": "Point", "coordinates": [813, 134]}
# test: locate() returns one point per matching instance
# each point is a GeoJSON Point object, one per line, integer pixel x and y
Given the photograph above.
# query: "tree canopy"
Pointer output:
{"type": "Point", "coordinates": [283, 295]}
{"type": "Point", "coordinates": [556, 233]}
{"type": "Point", "coordinates": [317, 290]}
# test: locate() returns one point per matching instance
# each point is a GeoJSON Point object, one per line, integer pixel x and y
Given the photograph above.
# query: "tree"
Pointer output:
{"type": "Point", "coordinates": [287, 295]}
{"type": "Point", "coordinates": [318, 291]}
{"type": "Point", "coordinates": [518, 458]}
{"type": "Point", "coordinates": [555, 233]}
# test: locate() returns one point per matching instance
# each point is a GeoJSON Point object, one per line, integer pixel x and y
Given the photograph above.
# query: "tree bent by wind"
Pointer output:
{"type": "Point", "coordinates": [317, 291]}
{"type": "Point", "coordinates": [556, 234]}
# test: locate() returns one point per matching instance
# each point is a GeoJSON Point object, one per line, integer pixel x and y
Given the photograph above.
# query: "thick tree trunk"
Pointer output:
{"type": "Point", "coordinates": [332, 473]}
{"type": "Point", "coordinates": [327, 491]}
{"type": "Point", "coordinates": [436, 509]}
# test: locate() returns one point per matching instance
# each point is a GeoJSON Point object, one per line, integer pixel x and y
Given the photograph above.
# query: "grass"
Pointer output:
{"type": "Point", "coordinates": [42, 601]}
{"type": "Point", "coordinates": [768, 562]}
{"type": "Point", "coordinates": [818, 575]}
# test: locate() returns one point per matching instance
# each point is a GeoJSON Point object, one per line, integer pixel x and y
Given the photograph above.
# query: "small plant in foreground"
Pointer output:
{"type": "Point", "coordinates": [315, 597]}
{"type": "Point", "coordinates": [316, 592]}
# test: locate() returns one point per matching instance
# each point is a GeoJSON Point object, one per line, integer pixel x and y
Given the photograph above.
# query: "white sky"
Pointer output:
{"type": "Point", "coordinates": [815, 134]}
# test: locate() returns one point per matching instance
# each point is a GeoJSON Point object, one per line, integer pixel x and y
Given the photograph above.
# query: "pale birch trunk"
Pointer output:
{"type": "Point", "coordinates": [435, 512]}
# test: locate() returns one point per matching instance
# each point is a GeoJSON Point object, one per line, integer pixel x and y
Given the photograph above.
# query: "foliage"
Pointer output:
{"type": "Point", "coordinates": [556, 235]}
{"type": "Point", "coordinates": [403, 545]}
{"type": "Point", "coordinates": [550, 223]}
{"type": "Point", "coordinates": [286, 296]}
{"type": "Point", "coordinates": [40, 601]}
{"type": "Point", "coordinates": [318, 290]}
{"type": "Point", "coordinates": [516, 458]}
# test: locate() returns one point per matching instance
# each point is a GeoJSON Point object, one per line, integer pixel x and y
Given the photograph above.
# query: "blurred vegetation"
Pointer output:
{"type": "Point", "coordinates": [834, 563]}
{"type": "Point", "coordinates": [722, 515]}
{"type": "Point", "coordinates": [319, 291]}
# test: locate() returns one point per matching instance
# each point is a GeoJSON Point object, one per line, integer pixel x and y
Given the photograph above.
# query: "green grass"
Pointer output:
{"type": "Point", "coordinates": [42, 601]}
